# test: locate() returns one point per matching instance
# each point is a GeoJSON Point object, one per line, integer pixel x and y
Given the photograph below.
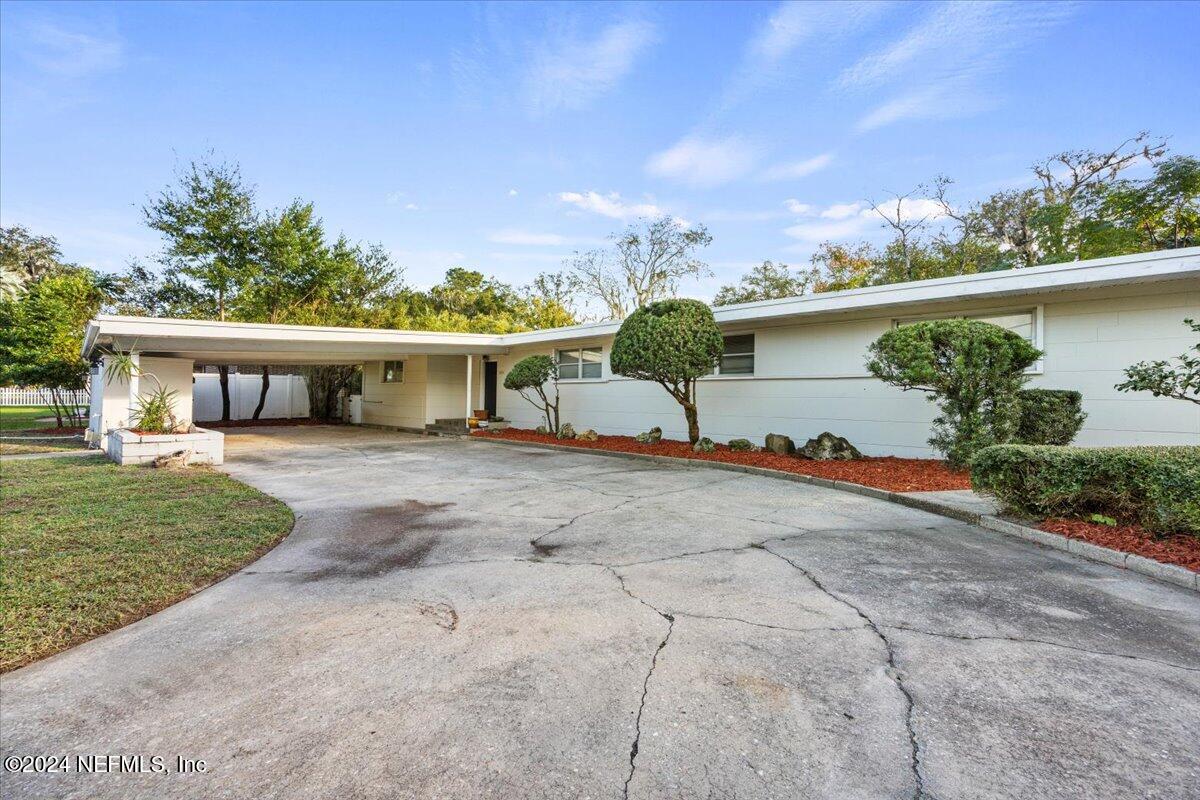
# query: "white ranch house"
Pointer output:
{"type": "Point", "coordinates": [792, 366]}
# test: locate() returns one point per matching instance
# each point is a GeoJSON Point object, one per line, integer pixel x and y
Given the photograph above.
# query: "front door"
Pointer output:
{"type": "Point", "coordinates": [489, 387]}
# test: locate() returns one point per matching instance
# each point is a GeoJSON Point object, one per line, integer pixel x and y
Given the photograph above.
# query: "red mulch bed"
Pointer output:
{"type": "Point", "coordinates": [887, 473]}
{"type": "Point", "coordinates": [267, 423]}
{"type": "Point", "coordinates": [1181, 548]}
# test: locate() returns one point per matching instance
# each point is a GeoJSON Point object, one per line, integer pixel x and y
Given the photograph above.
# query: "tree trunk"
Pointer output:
{"type": "Point", "coordinates": [262, 395]}
{"type": "Point", "coordinates": [223, 371]}
{"type": "Point", "coordinates": [55, 405]}
{"type": "Point", "coordinates": [693, 421]}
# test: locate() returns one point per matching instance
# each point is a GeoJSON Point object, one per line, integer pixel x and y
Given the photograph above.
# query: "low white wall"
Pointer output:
{"type": "Point", "coordinates": [811, 378]}
{"type": "Point", "coordinates": [203, 446]}
{"type": "Point", "coordinates": [287, 397]}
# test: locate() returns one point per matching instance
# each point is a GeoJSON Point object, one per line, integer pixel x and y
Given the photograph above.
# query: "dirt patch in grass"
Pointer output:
{"type": "Point", "coordinates": [87, 546]}
{"type": "Point", "coordinates": [1182, 549]}
{"type": "Point", "coordinates": [887, 473]}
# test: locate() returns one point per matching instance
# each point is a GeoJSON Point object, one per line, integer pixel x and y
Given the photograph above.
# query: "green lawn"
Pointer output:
{"type": "Point", "coordinates": [87, 546]}
{"type": "Point", "coordinates": [21, 418]}
{"type": "Point", "coordinates": [24, 421]}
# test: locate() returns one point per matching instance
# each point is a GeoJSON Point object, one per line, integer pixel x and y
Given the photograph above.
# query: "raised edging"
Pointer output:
{"type": "Point", "coordinates": [1170, 573]}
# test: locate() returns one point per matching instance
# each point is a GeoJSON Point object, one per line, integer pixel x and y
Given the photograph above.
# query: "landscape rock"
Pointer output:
{"type": "Point", "coordinates": [176, 460]}
{"type": "Point", "coordinates": [828, 447]}
{"type": "Point", "coordinates": [652, 436]}
{"type": "Point", "coordinates": [587, 436]}
{"type": "Point", "coordinates": [743, 445]}
{"type": "Point", "coordinates": [778, 443]}
{"type": "Point", "coordinates": [566, 431]}
{"type": "Point", "coordinates": [705, 445]}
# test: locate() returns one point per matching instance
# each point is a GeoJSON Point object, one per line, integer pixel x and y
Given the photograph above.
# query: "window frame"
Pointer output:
{"type": "Point", "coordinates": [716, 374]}
{"type": "Point", "coordinates": [579, 362]}
{"type": "Point", "coordinates": [1036, 312]}
{"type": "Point", "coordinates": [383, 370]}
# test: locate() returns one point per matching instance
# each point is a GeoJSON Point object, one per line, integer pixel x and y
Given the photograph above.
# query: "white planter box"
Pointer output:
{"type": "Point", "coordinates": [204, 446]}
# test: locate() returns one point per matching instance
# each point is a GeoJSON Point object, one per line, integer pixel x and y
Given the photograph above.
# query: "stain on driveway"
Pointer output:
{"type": "Point", "coordinates": [459, 619]}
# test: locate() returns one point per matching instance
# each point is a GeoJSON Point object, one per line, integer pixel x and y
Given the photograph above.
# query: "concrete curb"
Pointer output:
{"type": "Point", "coordinates": [1170, 573]}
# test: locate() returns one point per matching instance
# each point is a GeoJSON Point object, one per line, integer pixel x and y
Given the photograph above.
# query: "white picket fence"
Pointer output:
{"type": "Point", "coordinates": [287, 397]}
{"type": "Point", "coordinates": [33, 396]}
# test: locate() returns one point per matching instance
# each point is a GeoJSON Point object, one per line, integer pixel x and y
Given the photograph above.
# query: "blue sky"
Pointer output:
{"type": "Point", "coordinates": [504, 137]}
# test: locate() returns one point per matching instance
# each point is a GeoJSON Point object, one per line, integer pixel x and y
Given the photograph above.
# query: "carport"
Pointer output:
{"type": "Point", "coordinates": [415, 378]}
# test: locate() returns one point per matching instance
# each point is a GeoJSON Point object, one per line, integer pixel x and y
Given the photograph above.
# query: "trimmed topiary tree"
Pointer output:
{"type": "Point", "coordinates": [671, 342]}
{"type": "Point", "coordinates": [973, 370]}
{"type": "Point", "coordinates": [528, 378]}
{"type": "Point", "coordinates": [1050, 416]}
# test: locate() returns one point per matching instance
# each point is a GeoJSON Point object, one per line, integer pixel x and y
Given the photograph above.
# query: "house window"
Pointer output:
{"type": "Point", "coordinates": [584, 362]}
{"type": "Point", "coordinates": [393, 372]}
{"type": "Point", "coordinates": [739, 355]}
{"type": "Point", "coordinates": [1023, 322]}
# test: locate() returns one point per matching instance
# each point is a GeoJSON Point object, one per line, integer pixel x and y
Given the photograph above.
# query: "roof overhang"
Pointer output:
{"type": "Point", "coordinates": [247, 343]}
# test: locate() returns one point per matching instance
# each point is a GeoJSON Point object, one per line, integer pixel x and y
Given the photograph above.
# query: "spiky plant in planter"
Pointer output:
{"type": "Point", "coordinates": [155, 412]}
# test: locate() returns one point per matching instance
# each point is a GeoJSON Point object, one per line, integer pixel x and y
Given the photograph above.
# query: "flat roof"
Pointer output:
{"type": "Point", "coordinates": [241, 342]}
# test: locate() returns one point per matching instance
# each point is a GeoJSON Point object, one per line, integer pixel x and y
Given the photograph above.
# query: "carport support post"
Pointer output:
{"type": "Point", "coordinates": [469, 408]}
{"type": "Point", "coordinates": [135, 359]}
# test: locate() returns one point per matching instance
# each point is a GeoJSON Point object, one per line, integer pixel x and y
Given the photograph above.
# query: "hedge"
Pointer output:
{"type": "Point", "coordinates": [1049, 416]}
{"type": "Point", "coordinates": [1156, 487]}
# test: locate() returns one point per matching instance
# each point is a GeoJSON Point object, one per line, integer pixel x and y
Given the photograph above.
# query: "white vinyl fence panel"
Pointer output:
{"type": "Point", "coordinates": [287, 397]}
{"type": "Point", "coordinates": [32, 396]}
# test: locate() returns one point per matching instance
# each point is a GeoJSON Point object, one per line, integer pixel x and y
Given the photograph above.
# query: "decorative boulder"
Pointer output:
{"type": "Point", "coordinates": [175, 460]}
{"type": "Point", "coordinates": [778, 443]}
{"type": "Point", "coordinates": [542, 429]}
{"type": "Point", "coordinates": [742, 445]}
{"type": "Point", "coordinates": [705, 445]}
{"type": "Point", "coordinates": [587, 436]}
{"type": "Point", "coordinates": [652, 436]}
{"type": "Point", "coordinates": [828, 447]}
{"type": "Point", "coordinates": [566, 431]}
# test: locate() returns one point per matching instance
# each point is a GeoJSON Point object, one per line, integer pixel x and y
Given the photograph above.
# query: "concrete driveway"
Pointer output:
{"type": "Point", "coordinates": [673, 632]}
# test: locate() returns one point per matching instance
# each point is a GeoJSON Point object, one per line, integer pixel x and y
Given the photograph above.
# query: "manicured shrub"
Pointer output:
{"type": "Point", "coordinates": [1157, 487]}
{"type": "Point", "coordinates": [671, 342]}
{"type": "Point", "coordinates": [1049, 416]}
{"type": "Point", "coordinates": [531, 375]}
{"type": "Point", "coordinates": [972, 370]}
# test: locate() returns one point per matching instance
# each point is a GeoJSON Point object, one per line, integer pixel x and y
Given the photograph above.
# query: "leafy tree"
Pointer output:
{"type": "Point", "coordinates": [838, 267]}
{"type": "Point", "coordinates": [1163, 379]}
{"type": "Point", "coordinates": [767, 281]}
{"type": "Point", "coordinates": [670, 342]}
{"type": "Point", "coordinates": [210, 226]}
{"type": "Point", "coordinates": [24, 258]}
{"type": "Point", "coordinates": [972, 369]}
{"type": "Point", "coordinates": [646, 264]}
{"type": "Point", "coordinates": [531, 374]}
{"type": "Point", "coordinates": [41, 336]}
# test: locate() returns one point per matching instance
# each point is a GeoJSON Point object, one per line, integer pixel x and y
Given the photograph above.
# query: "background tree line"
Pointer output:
{"type": "Point", "coordinates": [1080, 207]}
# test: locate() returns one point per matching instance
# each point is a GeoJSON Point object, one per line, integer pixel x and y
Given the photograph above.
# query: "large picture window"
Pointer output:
{"type": "Point", "coordinates": [393, 372]}
{"type": "Point", "coordinates": [582, 362]}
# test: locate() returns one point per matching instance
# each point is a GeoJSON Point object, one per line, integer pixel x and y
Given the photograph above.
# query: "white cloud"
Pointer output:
{"type": "Point", "coordinates": [702, 162]}
{"type": "Point", "coordinates": [609, 205]}
{"type": "Point", "coordinates": [854, 220]}
{"type": "Point", "coordinates": [519, 237]}
{"type": "Point", "coordinates": [794, 170]}
{"type": "Point", "coordinates": [70, 53]}
{"type": "Point", "coordinates": [411, 207]}
{"type": "Point", "coordinates": [512, 192]}
{"type": "Point", "coordinates": [795, 23]}
{"type": "Point", "coordinates": [569, 73]}
{"type": "Point", "coordinates": [942, 61]}
{"type": "Point", "coordinates": [842, 211]}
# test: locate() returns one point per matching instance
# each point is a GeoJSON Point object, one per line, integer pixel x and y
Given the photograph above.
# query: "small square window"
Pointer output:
{"type": "Point", "coordinates": [738, 358]}
{"type": "Point", "coordinates": [586, 362]}
{"type": "Point", "coordinates": [393, 372]}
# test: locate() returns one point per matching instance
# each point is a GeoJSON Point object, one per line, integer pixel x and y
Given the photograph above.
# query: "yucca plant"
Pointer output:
{"type": "Point", "coordinates": [155, 411]}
